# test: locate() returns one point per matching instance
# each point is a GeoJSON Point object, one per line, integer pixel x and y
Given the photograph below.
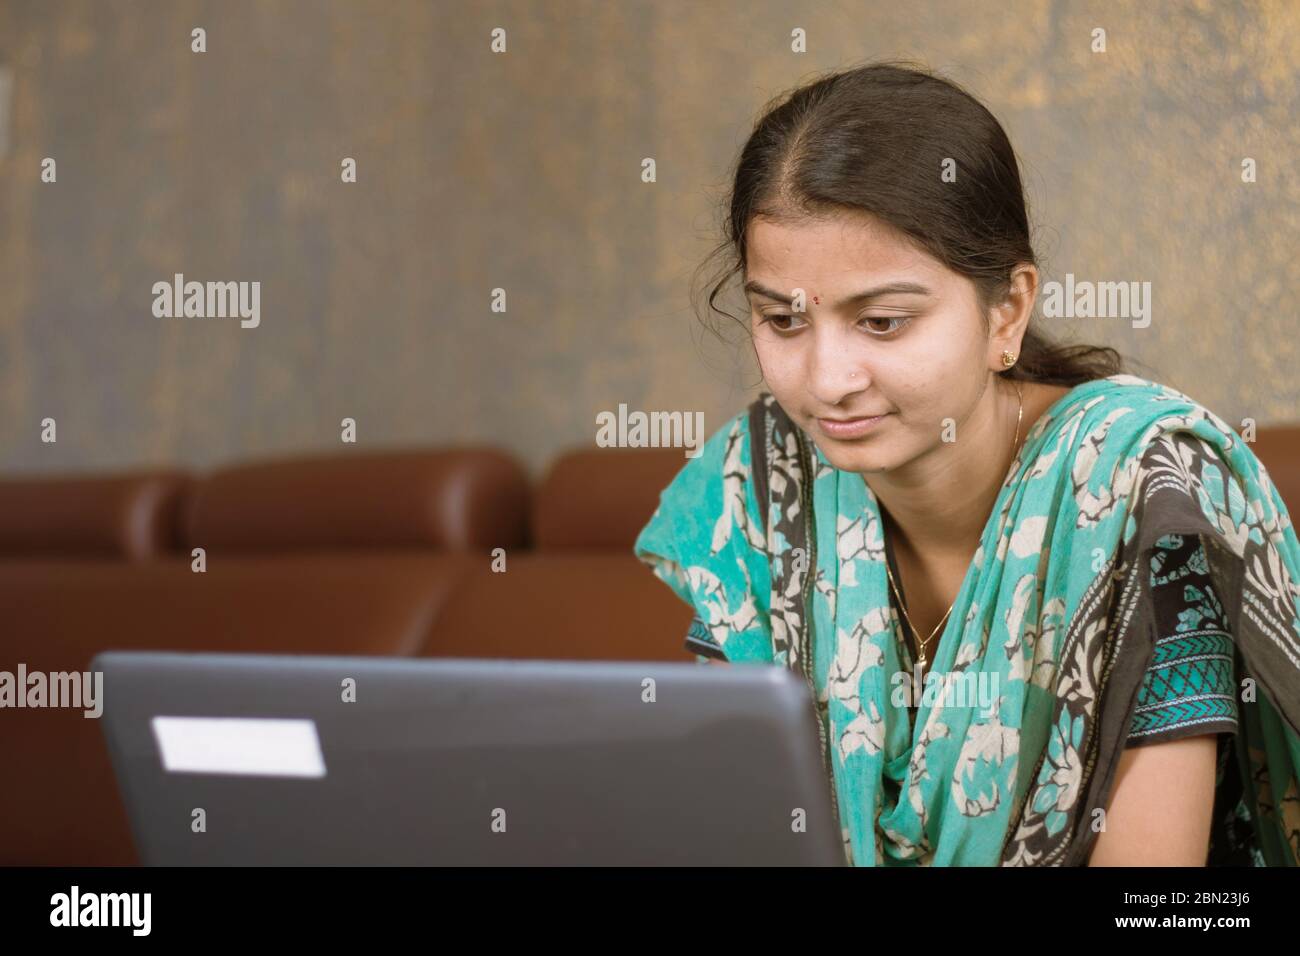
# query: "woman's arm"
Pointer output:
{"type": "Point", "coordinates": [1161, 805]}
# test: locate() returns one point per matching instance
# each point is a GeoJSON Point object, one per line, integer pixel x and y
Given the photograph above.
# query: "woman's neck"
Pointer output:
{"type": "Point", "coordinates": [938, 504]}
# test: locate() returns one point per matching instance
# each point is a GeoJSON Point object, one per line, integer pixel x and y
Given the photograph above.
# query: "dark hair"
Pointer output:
{"type": "Point", "coordinates": [873, 139]}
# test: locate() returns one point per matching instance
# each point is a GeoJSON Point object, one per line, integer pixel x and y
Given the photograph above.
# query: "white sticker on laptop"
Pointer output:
{"type": "Point", "coordinates": [259, 747]}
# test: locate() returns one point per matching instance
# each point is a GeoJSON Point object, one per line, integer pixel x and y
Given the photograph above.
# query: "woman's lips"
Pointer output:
{"type": "Point", "coordinates": [849, 428]}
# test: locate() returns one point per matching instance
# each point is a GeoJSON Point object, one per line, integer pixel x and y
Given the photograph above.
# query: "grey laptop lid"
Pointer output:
{"type": "Point", "coordinates": [287, 760]}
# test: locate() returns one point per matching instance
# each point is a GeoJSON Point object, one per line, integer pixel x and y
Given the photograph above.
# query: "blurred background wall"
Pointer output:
{"type": "Point", "coordinates": [522, 171]}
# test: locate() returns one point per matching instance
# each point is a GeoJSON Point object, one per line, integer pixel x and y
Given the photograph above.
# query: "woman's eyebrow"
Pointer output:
{"type": "Point", "coordinates": [889, 288]}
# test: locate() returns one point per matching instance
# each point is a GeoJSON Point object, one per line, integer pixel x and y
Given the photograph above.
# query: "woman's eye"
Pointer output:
{"type": "Point", "coordinates": [786, 324]}
{"type": "Point", "coordinates": [780, 321]}
{"type": "Point", "coordinates": [886, 320]}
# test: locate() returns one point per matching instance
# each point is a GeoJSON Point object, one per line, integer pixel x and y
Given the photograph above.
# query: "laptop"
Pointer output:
{"type": "Point", "coordinates": [271, 760]}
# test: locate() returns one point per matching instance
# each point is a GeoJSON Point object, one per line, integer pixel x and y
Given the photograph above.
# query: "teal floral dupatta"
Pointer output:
{"type": "Point", "coordinates": [1035, 677]}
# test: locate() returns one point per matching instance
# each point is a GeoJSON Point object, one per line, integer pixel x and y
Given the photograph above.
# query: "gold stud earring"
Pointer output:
{"type": "Point", "coordinates": [1008, 358]}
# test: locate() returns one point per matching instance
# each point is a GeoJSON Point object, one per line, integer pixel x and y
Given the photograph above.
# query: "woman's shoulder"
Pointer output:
{"type": "Point", "coordinates": [711, 498]}
{"type": "Point", "coordinates": [1191, 490]}
{"type": "Point", "coordinates": [1123, 394]}
{"type": "Point", "coordinates": [1123, 422]}
{"type": "Point", "coordinates": [1187, 459]}
{"type": "Point", "coordinates": [726, 452]}
{"type": "Point", "coordinates": [707, 542]}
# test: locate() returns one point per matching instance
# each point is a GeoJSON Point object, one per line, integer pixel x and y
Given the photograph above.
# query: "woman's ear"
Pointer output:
{"type": "Point", "coordinates": [1010, 317]}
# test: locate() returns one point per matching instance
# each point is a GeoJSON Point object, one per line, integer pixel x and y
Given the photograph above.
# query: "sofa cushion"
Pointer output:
{"type": "Point", "coordinates": [452, 499]}
{"type": "Point", "coordinates": [132, 516]}
{"type": "Point", "coordinates": [601, 498]}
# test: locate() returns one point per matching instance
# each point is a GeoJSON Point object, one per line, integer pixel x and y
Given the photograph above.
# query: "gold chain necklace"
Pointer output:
{"type": "Point", "coordinates": [921, 658]}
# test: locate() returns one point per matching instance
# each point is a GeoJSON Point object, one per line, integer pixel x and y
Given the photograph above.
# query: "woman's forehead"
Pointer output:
{"type": "Point", "coordinates": [833, 261]}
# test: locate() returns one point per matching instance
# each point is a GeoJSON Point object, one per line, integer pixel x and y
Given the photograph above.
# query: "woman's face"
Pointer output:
{"type": "Point", "coordinates": [888, 331]}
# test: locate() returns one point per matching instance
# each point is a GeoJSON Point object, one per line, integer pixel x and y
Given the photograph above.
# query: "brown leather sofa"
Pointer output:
{"type": "Point", "coordinates": [389, 554]}
{"type": "Point", "coordinates": [386, 554]}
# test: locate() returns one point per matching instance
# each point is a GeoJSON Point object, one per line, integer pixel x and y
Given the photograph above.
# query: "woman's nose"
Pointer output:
{"type": "Point", "coordinates": [835, 375]}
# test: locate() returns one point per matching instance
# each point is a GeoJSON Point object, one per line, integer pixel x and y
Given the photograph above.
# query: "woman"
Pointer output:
{"type": "Point", "coordinates": [1088, 576]}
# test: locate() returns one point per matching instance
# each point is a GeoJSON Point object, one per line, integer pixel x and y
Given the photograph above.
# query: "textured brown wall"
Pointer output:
{"type": "Point", "coordinates": [522, 171]}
